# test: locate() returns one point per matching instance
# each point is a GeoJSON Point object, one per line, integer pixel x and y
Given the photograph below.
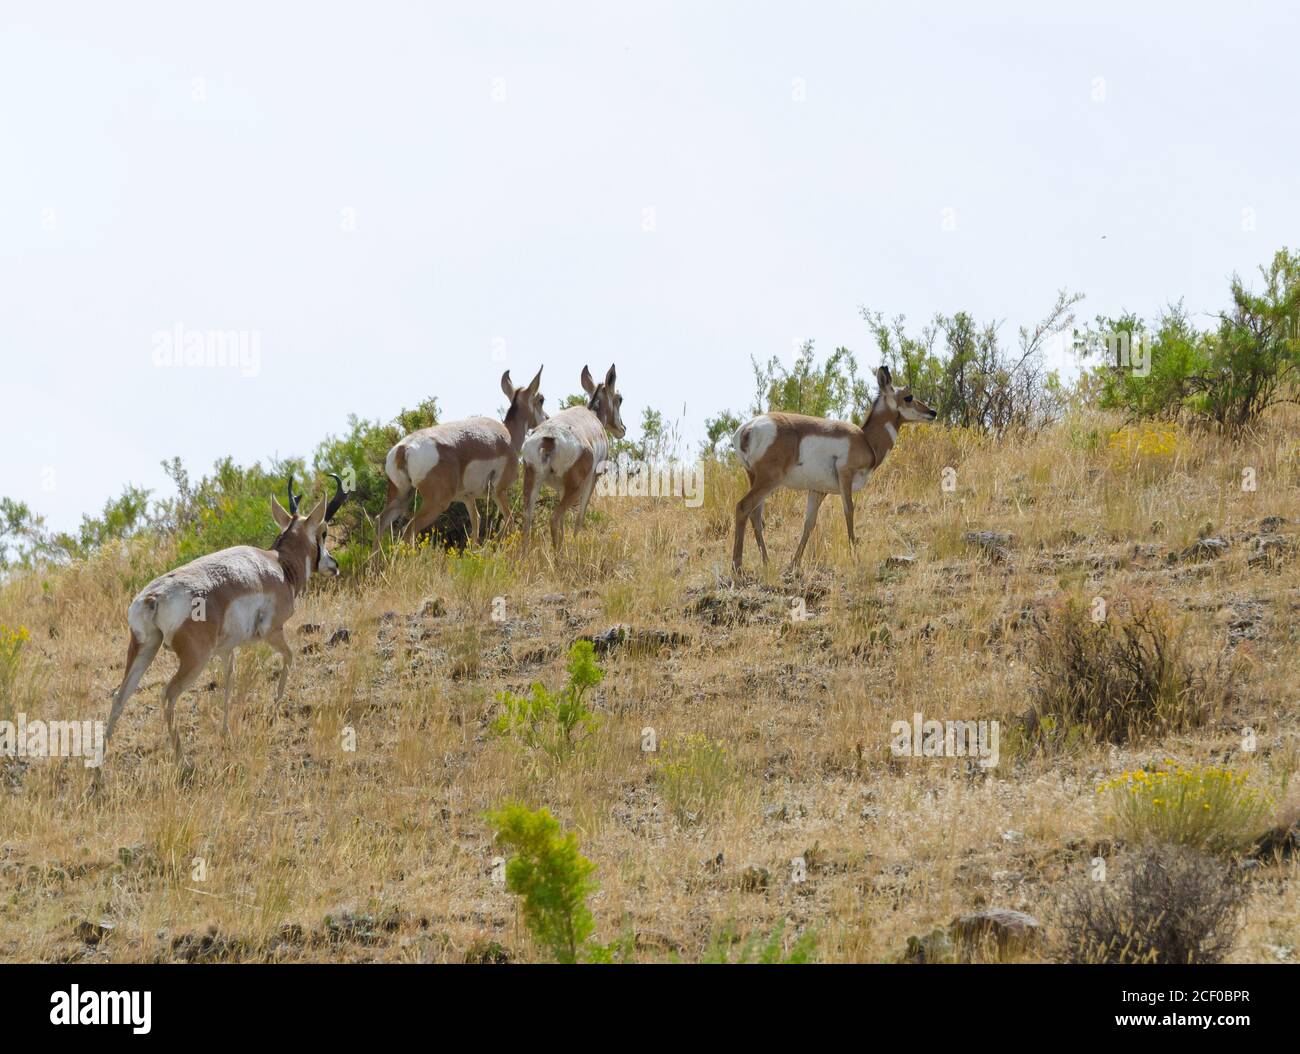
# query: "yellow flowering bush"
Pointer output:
{"type": "Point", "coordinates": [1205, 807]}
{"type": "Point", "coordinates": [1150, 442]}
{"type": "Point", "coordinates": [11, 647]}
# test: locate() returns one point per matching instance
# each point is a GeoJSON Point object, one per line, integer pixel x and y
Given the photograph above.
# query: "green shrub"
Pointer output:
{"type": "Point", "coordinates": [692, 773]}
{"type": "Point", "coordinates": [1227, 376]}
{"type": "Point", "coordinates": [763, 949]}
{"type": "Point", "coordinates": [554, 724]}
{"type": "Point", "coordinates": [551, 877]}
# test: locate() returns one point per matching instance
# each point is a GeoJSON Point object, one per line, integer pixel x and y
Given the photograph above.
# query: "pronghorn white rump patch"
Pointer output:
{"type": "Point", "coordinates": [167, 603]}
{"type": "Point", "coordinates": [761, 432]}
{"type": "Point", "coordinates": [421, 458]}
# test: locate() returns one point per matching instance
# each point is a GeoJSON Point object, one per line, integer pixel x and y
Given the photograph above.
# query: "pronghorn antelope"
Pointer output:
{"type": "Point", "coordinates": [215, 604]}
{"type": "Point", "coordinates": [569, 451]}
{"type": "Point", "coordinates": [819, 456]}
{"type": "Point", "coordinates": [460, 461]}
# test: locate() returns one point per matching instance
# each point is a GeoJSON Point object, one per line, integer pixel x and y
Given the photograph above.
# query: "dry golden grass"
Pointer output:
{"type": "Point", "coordinates": [315, 852]}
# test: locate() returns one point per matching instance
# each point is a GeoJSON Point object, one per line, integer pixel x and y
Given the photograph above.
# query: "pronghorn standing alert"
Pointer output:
{"type": "Point", "coordinates": [819, 456]}
{"type": "Point", "coordinates": [215, 604]}
{"type": "Point", "coordinates": [460, 461]}
{"type": "Point", "coordinates": [569, 451]}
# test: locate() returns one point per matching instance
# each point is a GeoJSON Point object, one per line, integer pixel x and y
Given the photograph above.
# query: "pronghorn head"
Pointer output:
{"type": "Point", "coordinates": [901, 401]}
{"type": "Point", "coordinates": [302, 538]}
{"type": "Point", "coordinates": [525, 403]}
{"type": "Point", "coordinates": [605, 402]}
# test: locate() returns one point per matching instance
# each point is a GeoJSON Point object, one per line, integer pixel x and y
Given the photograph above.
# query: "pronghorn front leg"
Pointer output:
{"type": "Point", "coordinates": [227, 679]}
{"type": "Point", "coordinates": [277, 641]}
{"type": "Point", "coordinates": [756, 520]}
{"type": "Point", "coordinates": [815, 499]}
{"type": "Point", "coordinates": [846, 495]}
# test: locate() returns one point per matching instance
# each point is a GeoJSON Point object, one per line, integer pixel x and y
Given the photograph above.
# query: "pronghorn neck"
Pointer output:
{"type": "Point", "coordinates": [516, 426]}
{"type": "Point", "coordinates": [881, 429]}
{"type": "Point", "coordinates": [295, 558]}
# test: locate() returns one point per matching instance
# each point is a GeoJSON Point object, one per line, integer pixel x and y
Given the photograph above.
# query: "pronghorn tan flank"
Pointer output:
{"type": "Point", "coordinates": [460, 461]}
{"type": "Point", "coordinates": [819, 456]}
{"type": "Point", "coordinates": [569, 451]}
{"type": "Point", "coordinates": [215, 604]}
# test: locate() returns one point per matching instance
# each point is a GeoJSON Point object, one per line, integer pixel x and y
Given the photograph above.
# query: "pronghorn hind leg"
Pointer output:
{"type": "Point", "coordinates": [192, 658]}
{"type": "Point", "coordinates": [815, 499]}
{"type": "Point", "coordinates": [744, 509]}
{"type": "Point", "coordinates": [584, 501]}
{"type": "Point", "coordinates": [471, 504]}
{"type": "Point", "coordinates": [431, 507]}
{"type": "Point", "coordinates": [394, 503]}
{"type": "Point", "coordinates": [138, 657]}
{"type": "Point", "coordinates": [532, 487]}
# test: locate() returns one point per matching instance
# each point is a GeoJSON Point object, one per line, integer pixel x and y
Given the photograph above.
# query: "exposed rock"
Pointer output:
{"type": "Point", "coordinates": [340, 636]}
{"type": "Point", "coordinates": [755, 879]}
{"type": "Point", "coordinates": [995, 544]}
{"type": "Point", "coordinates": [900, 560]}
{"type": "Point", "coordinates": [623, 635]}
{"type": "Point", "coordinates": [1008, 930]}
{"type": "Point", "coordinates": [432, 607]}
{"type": "Point", "coordinates": [554, 598]}
{"type": "Point", "coordinates": [309, 627]}
{"type": "Point", "coordinates": [92, 932]}
{"type": "Point", "coordinates": [1204, 549]}
{"type": "Point", "coordinates": [1282, 841]}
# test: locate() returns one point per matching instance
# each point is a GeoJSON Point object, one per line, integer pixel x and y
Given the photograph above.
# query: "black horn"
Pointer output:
{"type": "Point", "coordinates": [293, 502]}
{"type": "Point", "coordinates": [337, 500]}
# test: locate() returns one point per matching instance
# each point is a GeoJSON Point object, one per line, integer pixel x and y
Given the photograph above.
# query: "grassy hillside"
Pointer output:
{"type": "Point", "coordinates": [773, 731]}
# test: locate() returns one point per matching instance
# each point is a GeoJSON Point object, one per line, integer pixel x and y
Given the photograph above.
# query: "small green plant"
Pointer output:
{"type": "Point", "coordinates": [552, 878]}
{"type": "Point", "coordinates": [763, 949]}
{"type": "Point", "coordinates": [692, 773]}
{"type": "Point", "coordinates": [1203, 807]}
{"type": "Point", "coordinates": [554, 724]}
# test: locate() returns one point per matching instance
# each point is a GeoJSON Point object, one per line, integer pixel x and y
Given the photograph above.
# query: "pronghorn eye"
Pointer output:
{"type": "Point", "coordinates": [907, 399]}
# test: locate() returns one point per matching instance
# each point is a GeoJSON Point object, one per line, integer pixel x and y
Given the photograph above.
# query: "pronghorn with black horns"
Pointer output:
{"type": "Point", "coordinates": [569, 451]}
{"type": "Point", "coordinates": [460, 461]}
{"type": "Point", "coordinates": [819, 456]}
{"type": "Point", "coordinates": [221, 601]}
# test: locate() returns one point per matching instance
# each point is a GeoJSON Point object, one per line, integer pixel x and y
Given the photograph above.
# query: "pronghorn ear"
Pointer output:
{"type": "Point", "coordinates": [588, 385]}
{"type": "Point", "coordinates": [883, 377]}
{"type": "Point", "coordinates": [609, 378]}
{"type": "Point", "coordinates": [537, 381]}
{"type": "Point", "coordinates": [317, 515]}
{"type": "Point", "coordinates": [506, 386]}
{"type": "Point", "coordinates": [282, 518]}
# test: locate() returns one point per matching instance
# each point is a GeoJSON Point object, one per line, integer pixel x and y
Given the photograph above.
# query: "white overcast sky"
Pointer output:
{"type": "Point", "coordinates": [178, 163]}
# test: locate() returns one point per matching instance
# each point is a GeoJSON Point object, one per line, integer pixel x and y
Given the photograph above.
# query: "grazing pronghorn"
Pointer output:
{"type": "Point", "coordinates": [819, 456]}
{"type": "Point", "coordinates": [569, 451]}
{"type": "Point", "coordinates": [215, 604]}
{"type": "Point", "coordinates": [460, 461]}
